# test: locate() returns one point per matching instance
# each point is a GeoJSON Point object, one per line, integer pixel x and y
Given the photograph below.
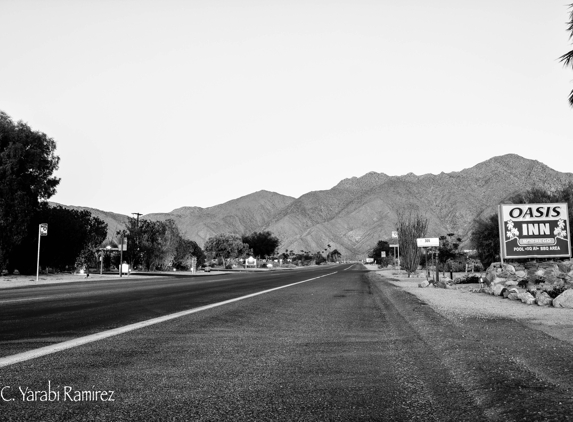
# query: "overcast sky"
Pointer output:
{"type": "Point", "coordinates": [156, 105]}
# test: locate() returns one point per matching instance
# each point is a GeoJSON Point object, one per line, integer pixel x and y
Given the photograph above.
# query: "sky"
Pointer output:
{"type": "Point", "coordinates": [156, 105]}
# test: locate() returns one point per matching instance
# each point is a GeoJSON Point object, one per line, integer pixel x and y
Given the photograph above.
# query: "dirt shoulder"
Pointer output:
{"type": "Point", "coordinates": [460, 303]}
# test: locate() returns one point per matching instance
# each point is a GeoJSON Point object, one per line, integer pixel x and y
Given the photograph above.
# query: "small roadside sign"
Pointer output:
{"type": "Point", "coordinates": [383, 254]}
{"type": "Point", "coordinates": [44, 229]}
{"type": "Point", "coordinates": [428, 242]}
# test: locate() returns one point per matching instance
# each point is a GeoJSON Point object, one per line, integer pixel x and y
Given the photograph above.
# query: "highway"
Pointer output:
{"type": "Point", "coordinates": [341, 344]}
{"type": "Point", "coordinates": [47, 314]}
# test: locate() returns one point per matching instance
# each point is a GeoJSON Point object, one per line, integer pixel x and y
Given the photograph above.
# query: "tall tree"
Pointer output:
{"type": "Point", "coordinates": [411, 226]}
{"type": "Point", "coordinates": [485, 238]}
{"type": "Point", "coordinates": [27, 162]}
{"type": "Point", "coordinates": [263, 244]}
{"type": "Point", "coordinates": [226, 246]}
{"type": "Point", "coordinates": [567, 58]}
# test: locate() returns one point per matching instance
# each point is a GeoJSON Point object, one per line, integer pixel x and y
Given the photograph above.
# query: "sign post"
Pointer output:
{"type": "Point", "coordinates": [42, 231]}
{"type": "Point", "coordinates": [426, 243]}
{"type": "Point", "coordinates": [395, 236]}
{"type": "Point", "coordinates": [122, 247]}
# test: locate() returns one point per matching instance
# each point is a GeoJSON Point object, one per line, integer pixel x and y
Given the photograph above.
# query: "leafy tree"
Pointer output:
{"type": "Point", "coordinates": [73, 237]}
{"type": "Point", "coordinates": [159, 245]}
{"type": "Point", "coordinates": [334, 256]}
{"type": "Point", "coordinates": [186, 250]}
{"type": "Point", "coordinates": [263, 244]}
{"type": "Point", "coordinates": [485, 238]}
{"type": "Point", "coordinates": [27, 162]}
{"type": "Point", "coordinates": [226, 246]}
{"type": "Point", "coordinates": [411, 226]}
{"type": "Point", "coordinates": [567, 58]}
{"type": "Point", "coordinates": [376, 252]}
{"type": "Point", "coordinates": [449, 249]}
{"type": "Point", "coordinates": [319, 258]}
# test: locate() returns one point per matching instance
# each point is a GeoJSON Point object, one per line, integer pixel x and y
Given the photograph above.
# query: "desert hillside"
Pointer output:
{"type": "Point", "coordinates": [357, 212]}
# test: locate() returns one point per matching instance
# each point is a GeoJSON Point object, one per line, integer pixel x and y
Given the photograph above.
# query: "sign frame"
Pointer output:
{"type": "Point", "coordinates": [534, 231]}
{"type": "Point", "coordinates": [428, 242]}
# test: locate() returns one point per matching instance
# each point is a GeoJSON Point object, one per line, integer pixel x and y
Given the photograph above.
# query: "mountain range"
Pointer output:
{"type": "Point", "coordinates": [353, 215]}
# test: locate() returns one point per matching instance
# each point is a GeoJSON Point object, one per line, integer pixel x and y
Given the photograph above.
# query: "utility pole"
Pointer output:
{"type": "Point", "coordinates": [137, 214]}
{"type": "Point", "coordinates": [136, 245]}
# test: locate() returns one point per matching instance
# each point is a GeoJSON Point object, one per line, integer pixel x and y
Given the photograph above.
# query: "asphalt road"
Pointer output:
{"type": "Point", "coordinates": [38, 316]}
{"type": "Point", "coordinates": [346, 346]}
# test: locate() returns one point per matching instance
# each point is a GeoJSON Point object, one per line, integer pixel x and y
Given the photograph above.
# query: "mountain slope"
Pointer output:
{"type": "Point", "coordinates": [359, 211]}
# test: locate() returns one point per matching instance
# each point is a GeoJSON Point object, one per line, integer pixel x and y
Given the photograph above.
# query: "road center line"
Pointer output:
{"type": "Point", "coordinates": [43, 351]}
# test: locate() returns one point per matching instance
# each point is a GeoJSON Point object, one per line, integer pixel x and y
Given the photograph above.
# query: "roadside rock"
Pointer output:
{"type": "Point", "coordinates": [564, 300]}
{"type": "Point", "coordinates": [526, 298]}
{"type": "Point", "coordinates": [442, 284]}
{"type": "Point", "coordinates": [543, 299]}
{"type": "Point", "coordinates": [540, 275]}
{"type": "Point", "coordinates": [423, 284]}
{"type": "Point", "coordinates": [498, 289]}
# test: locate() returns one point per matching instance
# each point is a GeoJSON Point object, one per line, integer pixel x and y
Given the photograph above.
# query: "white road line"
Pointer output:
{"type": "Point", "coordinates": [43, 351]}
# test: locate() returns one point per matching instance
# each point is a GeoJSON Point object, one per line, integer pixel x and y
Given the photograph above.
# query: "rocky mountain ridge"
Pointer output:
{"type": "Point", "coordinates": [357, 212]}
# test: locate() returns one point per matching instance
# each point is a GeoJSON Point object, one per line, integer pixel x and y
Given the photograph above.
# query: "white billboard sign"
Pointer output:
{"type": "Point", "coordinates": [534, 230]}
{"type": "Point", "coordinates": [428, 242]}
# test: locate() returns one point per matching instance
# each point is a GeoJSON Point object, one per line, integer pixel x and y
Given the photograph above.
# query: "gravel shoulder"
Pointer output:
{"type": "Point", "coordinates": [459, 302]}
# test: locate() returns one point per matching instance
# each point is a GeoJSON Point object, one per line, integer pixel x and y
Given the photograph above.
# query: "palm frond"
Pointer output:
{"type": "Point", "coordinates": [567, 58]}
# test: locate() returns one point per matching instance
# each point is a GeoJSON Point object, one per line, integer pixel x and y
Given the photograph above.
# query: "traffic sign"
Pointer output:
{"type": "Point", "coordinates": [44, 229]}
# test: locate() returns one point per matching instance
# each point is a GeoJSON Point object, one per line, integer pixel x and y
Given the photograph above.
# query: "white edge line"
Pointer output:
{"type": "Point", "coordinates": [43, 351]}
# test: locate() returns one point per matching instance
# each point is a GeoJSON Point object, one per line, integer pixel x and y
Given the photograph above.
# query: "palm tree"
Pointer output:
{"type": "Point", "coordinates": [567, 58]}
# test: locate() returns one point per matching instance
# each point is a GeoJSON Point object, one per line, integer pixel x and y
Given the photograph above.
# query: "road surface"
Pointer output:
{"type": "Point", "coordinates": [344, 345]}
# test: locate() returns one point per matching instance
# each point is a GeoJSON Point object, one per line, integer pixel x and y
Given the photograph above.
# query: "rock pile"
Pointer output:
{"type": "Point", "coordinates": [544, 283]}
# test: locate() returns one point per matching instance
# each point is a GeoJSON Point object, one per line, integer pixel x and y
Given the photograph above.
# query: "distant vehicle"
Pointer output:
{"type": "Point", "coordinates": [207, 269]}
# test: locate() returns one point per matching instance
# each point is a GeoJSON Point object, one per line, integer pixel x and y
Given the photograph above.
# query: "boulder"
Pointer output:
{"type": "Point", "coordinates": [526, 298]}
{"type": "Point", "coordinates": [509, 268]}
{"type": "Point", "coordinates": [564, 300]}
{"type": "Point", "coordinates": [423, 284]}
{"type": "Point", "coordinates": [543, 299]}
{"type": "Point", "coordinates": [441, 284]}
{"type": "Point", "coordinates": [498, 289]}
{"type": "Point", "coordinates": [563, 267]}
{"type": "Point", "coordinates": [499, 280]}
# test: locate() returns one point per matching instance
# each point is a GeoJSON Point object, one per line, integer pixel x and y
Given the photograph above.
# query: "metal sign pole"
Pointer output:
{"type": "Point", "coordinates": [38, 262]}
{"type": "Point", "coordinates": [121, 255]}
